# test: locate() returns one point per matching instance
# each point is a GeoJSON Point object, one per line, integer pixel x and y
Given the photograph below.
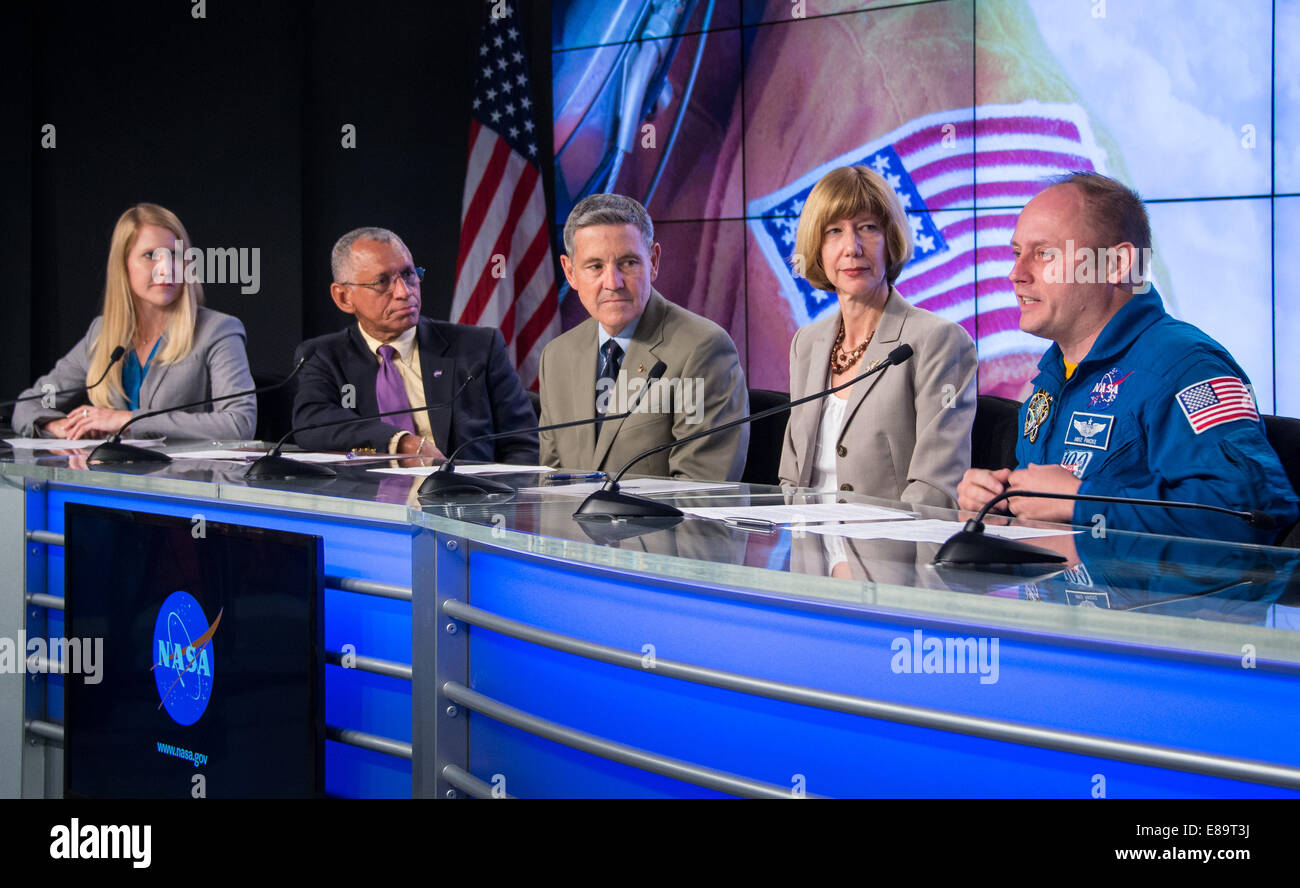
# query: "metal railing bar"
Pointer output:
{"type": "Point", "coordinates": [371, 664]}
{"type": "Point", "coordinates": [373, 742]}
{"type": "Point", "coordinates": [991, 729]}
{"type": "Point", "coordinates": [677, 769]}
{"type": "Point", "coordinates": [369, 587]}
{"type": "Point", "coordinates": [468, 783]}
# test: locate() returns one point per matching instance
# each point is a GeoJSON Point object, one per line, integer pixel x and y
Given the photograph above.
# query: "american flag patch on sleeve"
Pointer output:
{"type": "Point", "coordinates": [1213, 402]}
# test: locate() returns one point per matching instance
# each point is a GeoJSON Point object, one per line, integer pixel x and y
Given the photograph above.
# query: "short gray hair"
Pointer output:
{"type": "Point", "coordinates": [341, 255]}
{"type": "Point", "coordinates": [607, 209]}
{"type": "Point", "coordinates": [1116, 213]}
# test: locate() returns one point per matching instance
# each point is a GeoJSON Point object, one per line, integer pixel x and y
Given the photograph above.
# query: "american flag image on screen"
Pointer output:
{"type": "Point", "coordinates": [504, 273]}
{"type": "Point", "coordinates": [1213, 402]}
{"type": "Point", "coordinates": [962, 176]}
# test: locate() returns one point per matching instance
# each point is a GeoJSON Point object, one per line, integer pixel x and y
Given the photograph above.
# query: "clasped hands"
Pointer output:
{"type": "Point", "coordinates": [86, 422]}
{"type": "Point", "coordinates": [978, 486]}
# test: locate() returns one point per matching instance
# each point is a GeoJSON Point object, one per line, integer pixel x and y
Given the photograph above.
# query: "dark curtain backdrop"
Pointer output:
{"type": "Point", "coordinates": [234, 122]}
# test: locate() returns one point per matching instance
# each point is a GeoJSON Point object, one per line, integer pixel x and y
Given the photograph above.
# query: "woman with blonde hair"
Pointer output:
{"type": "Point", "coordinates": [177, 351]}
{"type": "Point", "coordinates": [901, 434]}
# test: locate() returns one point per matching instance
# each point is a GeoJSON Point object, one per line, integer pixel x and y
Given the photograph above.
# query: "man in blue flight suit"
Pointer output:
{"type": "Point", "coordinates": [1128, 401]}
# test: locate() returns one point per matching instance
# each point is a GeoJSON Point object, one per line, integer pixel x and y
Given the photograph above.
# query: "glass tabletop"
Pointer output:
{"type": "Point", "coordinates": [1192, 595]}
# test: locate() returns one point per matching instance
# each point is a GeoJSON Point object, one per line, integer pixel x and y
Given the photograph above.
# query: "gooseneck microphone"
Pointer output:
{"type": "Point", "coordinates": [610, 503]}
{"type": "Point", "coordinates": [112, 359]}
{"type": "Point", "coordinates": [114, 452]}
{"type": "Point", "coordinates": [445, 481]}
{"type": "Point", "coordinates": [275, 467]}
{"type": "Point", "coordinates": [972, 547]}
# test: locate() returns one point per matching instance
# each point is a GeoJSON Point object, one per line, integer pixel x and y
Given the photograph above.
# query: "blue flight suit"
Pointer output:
{"type": "Point", "coordinates": [1126, 424]}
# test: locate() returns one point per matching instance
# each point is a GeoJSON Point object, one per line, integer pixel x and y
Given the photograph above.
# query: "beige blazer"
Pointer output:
{"type": "Point", "coordinates": [907, 430]}
{"type": "Point", "coordinates": [694, 348]}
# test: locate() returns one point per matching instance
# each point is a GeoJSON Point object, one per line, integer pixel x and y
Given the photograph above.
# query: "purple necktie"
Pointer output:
{"type": "Point", "coordinates": [390, 392]}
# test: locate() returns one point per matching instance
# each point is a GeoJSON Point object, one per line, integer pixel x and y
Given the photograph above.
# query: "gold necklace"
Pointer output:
{"type": "Point", "coordinates": [842, 360]}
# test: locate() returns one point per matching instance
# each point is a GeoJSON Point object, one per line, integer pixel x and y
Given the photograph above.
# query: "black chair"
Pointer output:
{"type": "Point", "coordinates": [993, 437]}
{"type": "Point", "coordinates": [536, 400]}
{"type": "Point", "coordinates": [1283, 434]}
{"type": "Point", "coordinates": [766, 438]}
{"type": "Point", "coordinates": [274, 408]}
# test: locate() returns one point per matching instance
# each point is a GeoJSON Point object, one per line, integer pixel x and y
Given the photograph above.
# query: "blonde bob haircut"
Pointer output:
{"type": "Point", "coordinates": [843, 194]}
{"type": "Point", "coordinates": [119, 324]}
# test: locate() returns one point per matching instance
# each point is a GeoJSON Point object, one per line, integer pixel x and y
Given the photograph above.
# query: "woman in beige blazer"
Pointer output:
{"type": "Point", "coordinates": [901, 434]}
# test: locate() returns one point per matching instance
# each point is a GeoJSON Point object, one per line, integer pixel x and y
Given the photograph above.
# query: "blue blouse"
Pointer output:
{"type": "Point", "coordinates": [133, 374]}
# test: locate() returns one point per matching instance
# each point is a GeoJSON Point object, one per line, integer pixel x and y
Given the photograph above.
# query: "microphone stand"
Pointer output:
{"type": "Point", "coordinates": [114, 452]}
{"type": "Point", "coordinates": [972, 547]}
{"type": "Point", "coordinates": [275, 467]}
{"type": "Point", "coordinates": [445, 481]}
{"type": "Point", "coordinates": [610, 504]}
{"type": "Point", "coordinates": [112, 359]}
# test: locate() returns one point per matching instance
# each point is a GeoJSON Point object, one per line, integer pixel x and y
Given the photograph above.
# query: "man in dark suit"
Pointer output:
{"type": "Point", "coordinates": [393, 358]}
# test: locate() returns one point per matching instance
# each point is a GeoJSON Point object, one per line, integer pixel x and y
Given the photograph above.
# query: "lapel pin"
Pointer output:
{"type": "Point", "coordinates": [437, 373]}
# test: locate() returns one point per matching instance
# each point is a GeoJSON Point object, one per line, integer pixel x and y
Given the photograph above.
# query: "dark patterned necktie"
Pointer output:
{"type": "Point", "coordinates": [611, 357]}
{"type": "Point", "coordinates": [390, 392]}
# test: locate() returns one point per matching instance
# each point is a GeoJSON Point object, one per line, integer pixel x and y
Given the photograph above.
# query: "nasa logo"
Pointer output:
{"type": "Point", "coordinates": [183, 658]}
{"type": "Point", "coordinates": [1106, 390]}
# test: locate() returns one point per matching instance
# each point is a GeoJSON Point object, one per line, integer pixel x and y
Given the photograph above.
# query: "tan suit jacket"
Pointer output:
{"type": "Point", "coordinates": [906, 433]}
{"type": "Point", "coordinates": [694, 348]}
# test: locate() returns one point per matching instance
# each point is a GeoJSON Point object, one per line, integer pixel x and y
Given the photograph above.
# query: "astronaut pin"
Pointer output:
{"type": "Point", "coordinates": [1036, 414]}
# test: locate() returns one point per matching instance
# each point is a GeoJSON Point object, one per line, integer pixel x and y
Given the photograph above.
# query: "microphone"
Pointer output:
{"type": "Point", "coordinates": [112, 359]}
{"type": "Point", "coordinates": [972, 547]}
{"type": "Point", "coordinates": [445, 482]}
{"type": "Point", "coordinates": [274, 467]}
{"type": "Point", "coordinates": [610, 503]}
{"type": "Point", "coordinates": [114, 452]}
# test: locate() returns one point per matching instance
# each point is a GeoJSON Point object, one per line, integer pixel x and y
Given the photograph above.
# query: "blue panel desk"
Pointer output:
{"type": "Point", "coordinates": [495, 648]}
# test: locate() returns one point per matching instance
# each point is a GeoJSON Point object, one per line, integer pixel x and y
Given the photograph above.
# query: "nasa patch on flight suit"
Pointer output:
{"type": "Point", "coordinates": [1089, 430]}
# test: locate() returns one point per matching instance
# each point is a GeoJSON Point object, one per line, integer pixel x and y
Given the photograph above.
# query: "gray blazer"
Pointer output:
{"type": "Point", "coordinates": [693, 348]}
{"type": "Point", "coordinates": [217, 365]}
{"type": "Point", "coordinates": [907, 430]}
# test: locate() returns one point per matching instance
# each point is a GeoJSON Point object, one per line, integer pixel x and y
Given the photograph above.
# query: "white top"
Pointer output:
{"type": "Point", "coordinates": [828, 433]}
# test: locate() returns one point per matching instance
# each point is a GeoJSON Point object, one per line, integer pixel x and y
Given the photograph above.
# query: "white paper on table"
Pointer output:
{"type": "Point", "coordinates": [308, 456]}
{"type": "Point", "coordinates": [808, 513]}
{"type": "Point", "coordinates": [930, 530]}
{"type": "Point", "coordinates": [301, 456]}
{"type": "Point", "coordinates": [69, 444]}
{"type": "Point", "coordinates": [485, 469]}
{"type": "Point", "coordinates": [217, 454]}
{"type": "Point", "coordinates": [639, 486]}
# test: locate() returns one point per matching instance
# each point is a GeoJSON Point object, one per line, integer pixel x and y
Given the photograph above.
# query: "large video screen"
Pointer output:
{"type": "Point", "coordinates": [720, 116]}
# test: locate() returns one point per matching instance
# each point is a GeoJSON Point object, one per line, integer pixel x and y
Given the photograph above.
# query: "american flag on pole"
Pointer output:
{"type": "Point", "coordinates": [946, 168]}
{"type": "Point", "coordinates": [504, 274]}
{"type": "Point", "coordinates": [1213, 402]}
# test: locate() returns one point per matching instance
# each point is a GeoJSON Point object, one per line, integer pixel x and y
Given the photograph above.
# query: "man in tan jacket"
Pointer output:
{"type": "Point", "coordinates": [611, 260]}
